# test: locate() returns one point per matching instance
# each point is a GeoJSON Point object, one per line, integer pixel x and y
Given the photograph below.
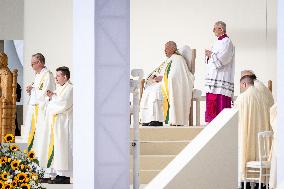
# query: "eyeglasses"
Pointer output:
{"type": "Point", "coordinates": [33, 63]}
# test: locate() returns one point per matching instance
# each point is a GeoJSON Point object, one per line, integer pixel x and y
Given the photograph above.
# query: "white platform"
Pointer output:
{"type": "Point", "coordinates": [58, 186]}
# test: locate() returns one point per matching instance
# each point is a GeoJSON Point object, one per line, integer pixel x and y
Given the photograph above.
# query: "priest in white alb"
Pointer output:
{"type": "Point", "coordinates": [253, 118]}
{"type": "Point", "coordinates": [220, 71]}
{"type": "Point", "coordinates": [168, 92]}
{"type": "Point", "coordinates": [35, 116]}
{"type": "Point", "coordinates": [59, 118]}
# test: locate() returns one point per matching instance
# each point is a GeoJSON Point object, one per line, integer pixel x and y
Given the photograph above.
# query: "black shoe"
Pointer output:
{"type": "Point", "coordinates": [145, 124]}
{"type": "Point", "coordinates": [155, 123]}
{"type": "Point", "coordinates": [44, 180]}
{"type": "Point", "coordinates": [176, 125]}
{"type": "Point", "coordinates": [60, 180]}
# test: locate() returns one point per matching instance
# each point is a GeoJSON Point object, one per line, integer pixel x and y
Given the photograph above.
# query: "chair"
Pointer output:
{"type": "Point", "coordinates": [260, 167]}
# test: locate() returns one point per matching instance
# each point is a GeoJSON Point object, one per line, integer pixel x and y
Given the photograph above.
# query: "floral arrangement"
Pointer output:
{"type": "Point", "coordinates": [18, 169]}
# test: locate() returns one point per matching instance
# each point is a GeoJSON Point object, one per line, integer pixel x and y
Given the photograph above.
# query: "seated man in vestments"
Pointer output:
{"type": "Point", "coordinates": [168, 92]}
{"type": "Point", "coordinates": [253, 118]}
{"type": "Point", "coordinates": [267, 95]}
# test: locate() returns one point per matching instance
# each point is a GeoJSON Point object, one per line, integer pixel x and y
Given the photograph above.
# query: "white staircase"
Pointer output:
{"type": "Point", "coordinates": [210, 161]}
{"type": "Point", "coordinates": [158, 147]}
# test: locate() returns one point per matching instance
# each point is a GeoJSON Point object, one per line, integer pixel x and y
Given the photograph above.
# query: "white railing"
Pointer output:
{"type": "Point", "coordinates": [197, 99]}
{"type": "Point", "coordinates": [134, 110]}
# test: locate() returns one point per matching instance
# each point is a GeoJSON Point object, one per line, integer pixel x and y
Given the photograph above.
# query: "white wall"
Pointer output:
{"type": "Point", "coordinates": [191, 22]}
{"type": "Point", "coordinates": [11, 19]}
{"type": "Point", "coordinates": [47, 29]}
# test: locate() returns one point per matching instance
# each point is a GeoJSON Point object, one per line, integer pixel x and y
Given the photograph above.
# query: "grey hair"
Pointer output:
{"type": "Point", "coordinates": [39, 57]}
{"type": "Point", "coordinates": [244, 71]}
{"type": "Point", "coordinates": [222, 24]}
{"type": "Point", "coordinates": [173, 44]}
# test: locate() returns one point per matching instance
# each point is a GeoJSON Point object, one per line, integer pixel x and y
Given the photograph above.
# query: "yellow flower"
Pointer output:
{"type": "Point", "coordinates": [4, 176]}
{"type": "Point", "coordinates": [28, 168]}
{"type": "Point", "coordinates": [9, 138]}
{"type": "Point", "coordinates": [22, 166]}
{"type": "Point", "coordinates": [15, 178]}
{"type": "Point", "coordinates": [25, 186]}
{"type": "Point", "coordinates": [9, 160]}
{"type": "Point", "coordinates": [3, 160]}
{"type": "Point", "coordinates": [21, 177]}
{"type": "Point", "coordinates": [14, 147]}
{"type": "Point", "coordinates": [14, 183]}
{"type": "Point", "coordinates": [31, 155]}
{"type": "Point", "coordinates": [8, 186]}
{"type": "Point", "coordinates": [34, 176]}
{"type": "Point", "coordinates": [15, 164]}
{"type": "Point", "coordinates": [25, 151]}
{"type": "Point", "coordinates": [27, 180]}
{"type": "Point", "coordinates": [1, 184]}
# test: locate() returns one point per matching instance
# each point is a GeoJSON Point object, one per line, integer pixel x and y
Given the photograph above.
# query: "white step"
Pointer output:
{"type": "Point", "coordinates": [145, 176]}
{"type": "Point", "coordinates": [150, 162]}
{"type": "Point", "coordinates": [167, 133]}
{"type": "Point", "coordinates": [21, 142]}
{"type": "Point", "coordinates": [161, 147]}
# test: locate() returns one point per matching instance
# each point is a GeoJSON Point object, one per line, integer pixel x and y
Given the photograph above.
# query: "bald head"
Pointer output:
{"type": "Point", "coordinates": [170, 48]}
{"type": "Point", "coordinates": [249, 73]}
{"type": "Point", "coordinates": [246, 81]}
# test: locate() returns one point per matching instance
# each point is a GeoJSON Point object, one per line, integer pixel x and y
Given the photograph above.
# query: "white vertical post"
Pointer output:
{"type": "Point", "coordinates": [135, 86]}
{"type": "Point", "coordinates": [83, 78]}
{"type": "Point", "coordinates": [136, 143]}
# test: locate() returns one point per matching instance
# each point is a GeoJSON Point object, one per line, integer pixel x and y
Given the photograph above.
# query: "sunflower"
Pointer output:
{"type": "Point", "coordinates": [14, 183]}
{"type": "Point", "coordinates": [22, 166]}
{"type": "Point", "coordinates": [3, 160]}
{"type": "Point", "coordinates": [4, 176]}
{"type": "Point", "coordinates": [21, 177]}
{"type": "Point", "coordinates": [25, 186]}
{"type": "Point", "coordinates": [15, 164]}
{"type": "Point", "coordinates": [14, 147]}
{"type": "Point", "coordinates": [31, 155]}
{"type": "Point", "coordinates": [8, 186]}
{"type": "Point", "coordinates": [9, 138]}
{"type": "Point", "coordinates": [1, 184]}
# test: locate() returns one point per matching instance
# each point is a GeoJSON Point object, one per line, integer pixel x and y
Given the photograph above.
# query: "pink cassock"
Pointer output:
{"type": "Point", "coordinates": [215, 103]}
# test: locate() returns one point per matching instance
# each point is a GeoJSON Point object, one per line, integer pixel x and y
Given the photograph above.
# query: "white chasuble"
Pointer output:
{"type": "Point", "coordinates": [267, 95]}
{"type": "Point", "coordinates": [169, 100]}
{"type": "Point", "coordinates": [59, 118]}
{"type": "Point", "coordinates": [34, 122]}
{"type": "Point", "coordinates": [253, 118]}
